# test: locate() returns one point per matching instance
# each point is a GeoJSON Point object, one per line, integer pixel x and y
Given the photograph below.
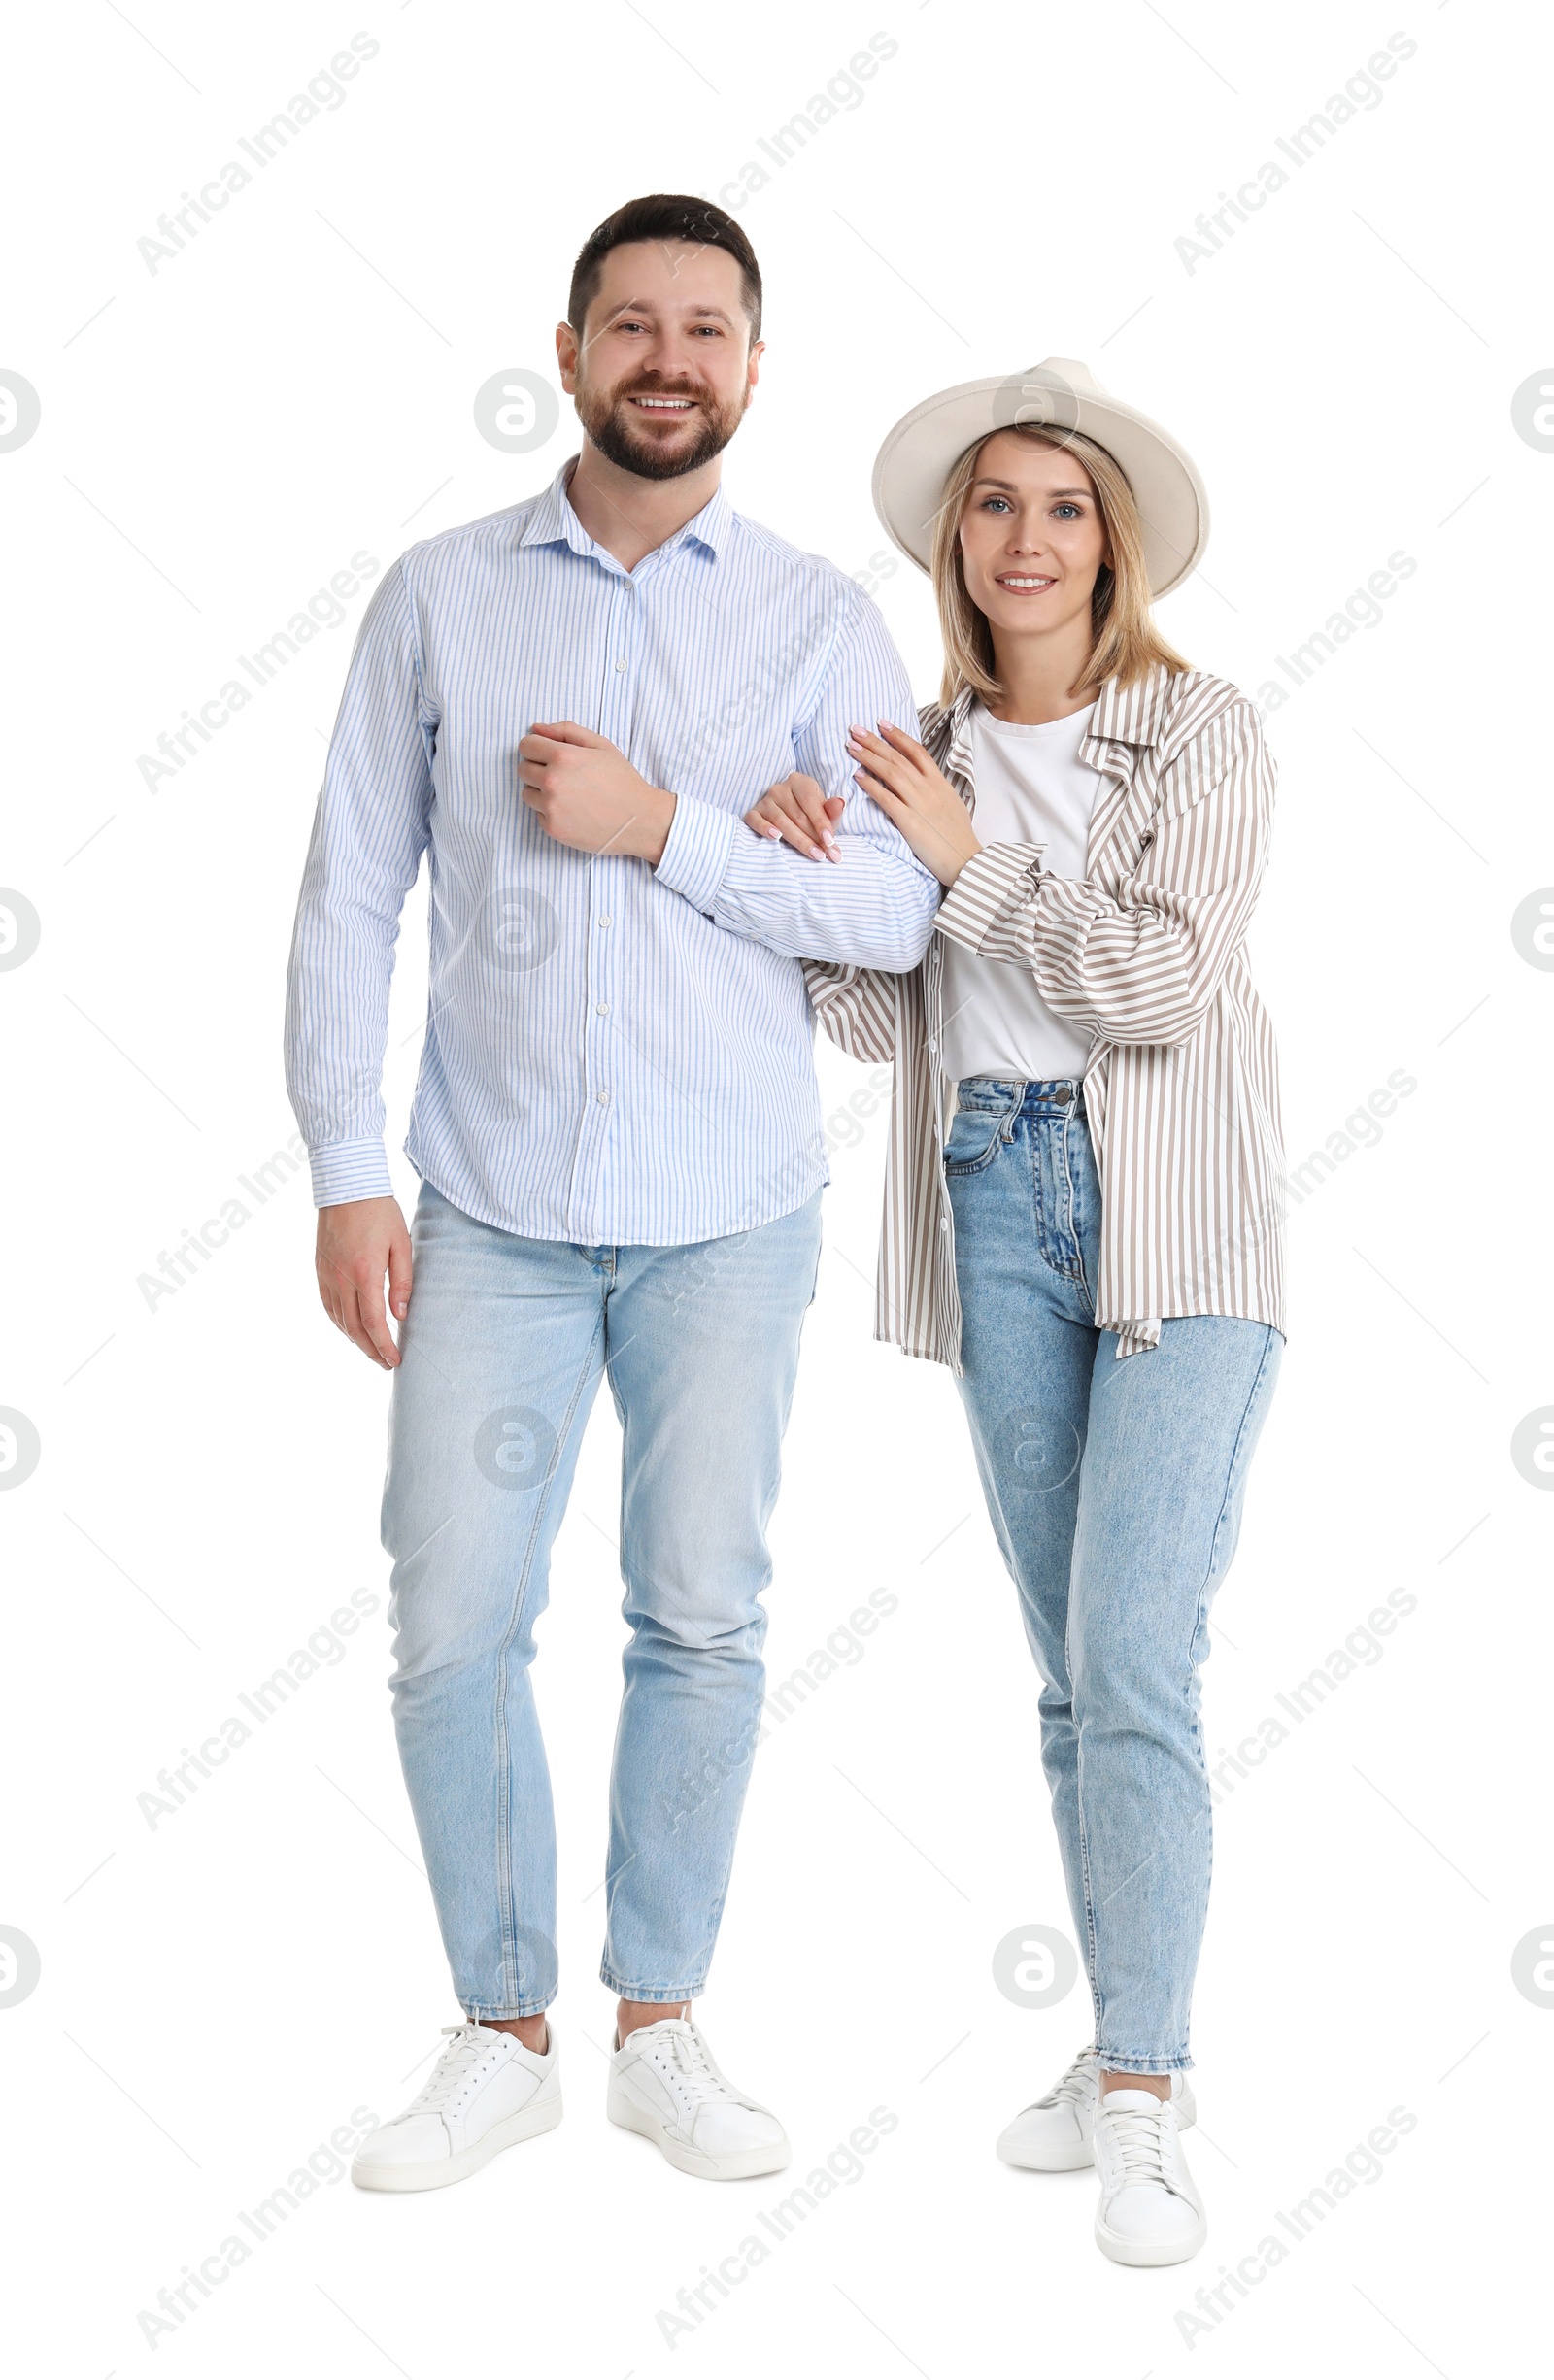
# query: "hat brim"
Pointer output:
{"type": "Point", "coordinates": [918, 454]}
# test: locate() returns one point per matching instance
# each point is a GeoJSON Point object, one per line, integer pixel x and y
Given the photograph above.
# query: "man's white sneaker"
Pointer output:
{"type": "Point", "coordinates": [1150, 2212]}
{"type": "Point", "coordinates": [486, 2092]}
{"type": "Point", "coordinates": [665, 2084]}
{"type": "Point", "coordinates": [1057, 2133]}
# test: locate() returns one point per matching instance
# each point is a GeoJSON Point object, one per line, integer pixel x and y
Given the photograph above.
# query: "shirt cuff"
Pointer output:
{"type": "Point", "coordinates": [349, 1169]}
{"type": "Point", "coordinates": [987, 888]}
{"type": "Point", "coordinates": [695, 851]}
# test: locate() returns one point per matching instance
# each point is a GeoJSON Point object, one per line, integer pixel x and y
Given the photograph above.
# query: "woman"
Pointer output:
{"type": "Point", "coordinates": [1095, 1244]}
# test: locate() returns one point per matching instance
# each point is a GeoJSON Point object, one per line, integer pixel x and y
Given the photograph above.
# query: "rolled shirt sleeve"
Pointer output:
{"type": "Point", "coordinates": [1143, 963]}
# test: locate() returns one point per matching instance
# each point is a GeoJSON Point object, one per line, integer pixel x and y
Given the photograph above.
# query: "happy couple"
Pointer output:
{"type": "Point", "coordinates": [678, 802]}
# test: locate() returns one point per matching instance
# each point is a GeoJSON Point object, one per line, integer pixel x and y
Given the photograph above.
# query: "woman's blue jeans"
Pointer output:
{"type": "Point", "coordinates": [1115, 1490]}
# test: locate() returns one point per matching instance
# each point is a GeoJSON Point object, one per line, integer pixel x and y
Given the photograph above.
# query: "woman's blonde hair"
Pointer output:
{"type": "Point", "coordinates": [1126, 643]}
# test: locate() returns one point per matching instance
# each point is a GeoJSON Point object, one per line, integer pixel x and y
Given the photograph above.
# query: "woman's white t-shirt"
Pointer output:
{"type": "Point", "coordinates": [1031, 786]}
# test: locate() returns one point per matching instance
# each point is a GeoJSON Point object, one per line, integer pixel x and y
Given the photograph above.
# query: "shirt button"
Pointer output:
{"type": "Point", "coordinates": [944, 1222]}
{"type": "Point", "coordinates": [620, 664]}
{"type": "Point", "coordinates": [934, 1045]}
{"type": "Point", "coordinates": [604, 1008]}
{"type": "Point", "coordinates": [604, 921]}
{"type": "Point", "coordinates": [604, 1097]}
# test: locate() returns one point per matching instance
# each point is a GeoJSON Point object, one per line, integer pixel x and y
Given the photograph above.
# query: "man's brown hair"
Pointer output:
{"type": "Point", "coordinates": [666, 217]}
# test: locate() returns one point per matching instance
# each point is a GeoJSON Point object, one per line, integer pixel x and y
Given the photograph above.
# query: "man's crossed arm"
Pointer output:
{"type": "Point", "coordinates": [876, 910]}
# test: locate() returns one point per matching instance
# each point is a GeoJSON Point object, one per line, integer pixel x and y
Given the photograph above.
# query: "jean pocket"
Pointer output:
{"type": "Point", "coordinates": [974, 1141]}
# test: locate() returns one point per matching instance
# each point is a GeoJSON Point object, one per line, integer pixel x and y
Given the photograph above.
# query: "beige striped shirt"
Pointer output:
{"type": "Point", "coordinates": [1147, 954]}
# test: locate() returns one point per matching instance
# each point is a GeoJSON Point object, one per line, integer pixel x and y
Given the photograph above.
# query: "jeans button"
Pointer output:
{"type": "Point", "coordinates": [1064, 1093]}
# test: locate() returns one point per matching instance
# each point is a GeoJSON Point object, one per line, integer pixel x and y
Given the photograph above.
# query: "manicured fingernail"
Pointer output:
{"type": "Point", "coordinates": [828, 838]}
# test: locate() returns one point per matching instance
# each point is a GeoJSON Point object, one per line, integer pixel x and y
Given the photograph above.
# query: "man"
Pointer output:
{"type": "Point", "coordinates": [617, 1127]}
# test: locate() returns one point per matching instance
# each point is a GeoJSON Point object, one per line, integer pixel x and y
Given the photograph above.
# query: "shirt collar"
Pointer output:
{"type": "Point", "coordinates": [1133, 713]}
{"type": "Point", "coordinates": [552, 521]}
{"type": "Point", "coordinates": [1123, 714]}
{"type": "Point", "coordinates": [713, 525]}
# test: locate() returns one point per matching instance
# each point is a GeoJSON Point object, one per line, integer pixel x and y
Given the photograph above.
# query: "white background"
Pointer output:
{"type": "Point", "coordinates": [219, 1992]}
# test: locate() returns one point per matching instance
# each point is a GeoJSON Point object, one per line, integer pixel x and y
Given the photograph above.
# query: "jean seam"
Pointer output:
{"type": "Point", "coordinates": [720, 1900]}
{"type": "Point", "coordinates": [504, 1813]}
{"type": "Point", "coordinates": [651, 1993]}
{"type": "Point", "coordinates": [1074, 1234]}
{"type": "Point", "coordinates": [1049, 1234]}
{"type": "Point", "coordinates": [1234, 1464]}
{"type": "Point", "coordinates": [1200, 1621]}
{"type": "Point", "coordinates": [1120, 2062]}
{"type": "Point", "coordinates": [1092, 1968]}
{"type": "Point", "coordinates": [609, 1975]}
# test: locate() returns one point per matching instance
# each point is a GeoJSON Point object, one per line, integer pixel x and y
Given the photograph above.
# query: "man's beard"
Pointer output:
{"type": "Point", "coordinates": [606, 416]}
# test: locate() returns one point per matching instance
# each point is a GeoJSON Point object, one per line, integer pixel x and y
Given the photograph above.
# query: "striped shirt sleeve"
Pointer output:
{"type": "Point", "coordinates": [370, 828]}
{"type": "Point", "coordinates": [1142, 964]}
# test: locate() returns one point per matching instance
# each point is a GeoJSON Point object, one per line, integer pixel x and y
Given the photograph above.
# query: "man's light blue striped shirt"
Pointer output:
{"type": "Point", "coordinates": [614, 1051]}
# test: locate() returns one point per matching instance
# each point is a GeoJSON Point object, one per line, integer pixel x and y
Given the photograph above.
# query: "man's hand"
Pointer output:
{"type": "Point", "coordinates": [357, 1244]}
{"type": "Point", "coordinates": [585, 791]}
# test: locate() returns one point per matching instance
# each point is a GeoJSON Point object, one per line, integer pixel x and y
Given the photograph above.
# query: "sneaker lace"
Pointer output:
{"type": "Point", "coordinates": [1075, 2084]}
{"type": "Point", "coordinates": [1138, 2139]}
{"type": "Point", "coordinates": [457, 2061]}
{"type": "Point", "coordinates": [684, 2046]}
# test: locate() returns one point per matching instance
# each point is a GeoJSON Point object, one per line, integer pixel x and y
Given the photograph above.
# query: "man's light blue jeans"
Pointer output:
{"type": "Point", "coordinates": [1115, 1492]}
{"type": "Point", "coordinates": [504, 1347]}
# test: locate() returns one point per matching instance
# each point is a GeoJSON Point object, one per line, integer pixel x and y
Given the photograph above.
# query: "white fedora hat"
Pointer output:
{"type": "Point", "coordinates": [914, 462]}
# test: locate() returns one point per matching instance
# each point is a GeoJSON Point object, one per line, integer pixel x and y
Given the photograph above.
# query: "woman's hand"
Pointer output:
{"type": "Point", "coordinates": [795, 811]}
{"type": "Point", "coordinates": [897, 772]}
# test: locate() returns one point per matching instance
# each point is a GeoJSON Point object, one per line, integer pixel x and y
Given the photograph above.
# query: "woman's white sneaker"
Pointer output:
{"type": "Point", "coordinates": [665, 2084]}
{"type": "Point", "coordinates": [1150, 2212]}
{"type": "Point", "coordinates": [487, 2093]}
{"type": "Point", "coordinates": [1056, 2134]}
